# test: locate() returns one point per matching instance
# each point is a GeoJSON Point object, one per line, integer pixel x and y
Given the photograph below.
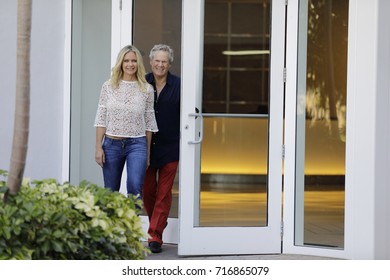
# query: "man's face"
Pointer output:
{"type": "Point", "coordinates": [160, 64]}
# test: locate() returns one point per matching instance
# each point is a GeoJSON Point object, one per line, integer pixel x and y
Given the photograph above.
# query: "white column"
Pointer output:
{"type": "Point", "coordinates": [367, 167]}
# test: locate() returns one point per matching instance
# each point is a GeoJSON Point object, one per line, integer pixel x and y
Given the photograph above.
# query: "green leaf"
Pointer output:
{"type": "Point", "coordinates": [57, 246]}
{"type": "Point", "coordinates": [45, 246]}
{"type": "Point", "coordinates": [3, 189]}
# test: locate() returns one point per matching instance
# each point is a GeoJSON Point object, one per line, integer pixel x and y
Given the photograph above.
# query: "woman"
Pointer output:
{"type": "Point", "coordinates": [124, 123]}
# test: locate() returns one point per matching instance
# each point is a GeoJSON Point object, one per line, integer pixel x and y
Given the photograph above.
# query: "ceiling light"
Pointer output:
{"type": "Point", "coordinates": [246, 52]}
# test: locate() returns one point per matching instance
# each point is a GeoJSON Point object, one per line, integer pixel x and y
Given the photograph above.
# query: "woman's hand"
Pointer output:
{"type": "Point", "coordinates": [99, 156]}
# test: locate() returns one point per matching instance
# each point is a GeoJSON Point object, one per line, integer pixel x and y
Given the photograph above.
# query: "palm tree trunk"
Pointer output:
{"type": "Point", "coordinates": [22, 101]}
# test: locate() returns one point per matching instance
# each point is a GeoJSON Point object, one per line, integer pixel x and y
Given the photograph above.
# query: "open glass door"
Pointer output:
{"type": "Point", "coordinates": [231, 128]}
{"type": "Point", "coordinates": [315, 127]}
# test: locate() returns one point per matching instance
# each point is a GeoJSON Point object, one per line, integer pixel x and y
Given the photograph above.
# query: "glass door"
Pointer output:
{"type": "Point", "coordinates": [316, 102]}
{"type": "Point", "coordinates": [232, 127]}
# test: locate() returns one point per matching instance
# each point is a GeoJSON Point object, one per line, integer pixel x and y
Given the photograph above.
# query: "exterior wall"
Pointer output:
{"type": "Point", "coordinates": [44, 158]}
{"type": "Point", "coordinates": [382, 136]}
{"type": "Point", "coordinates": [368, 161]}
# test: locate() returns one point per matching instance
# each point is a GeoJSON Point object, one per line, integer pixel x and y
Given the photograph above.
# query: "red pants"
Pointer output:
{"type": "Point", "coordinates": [157, 198]}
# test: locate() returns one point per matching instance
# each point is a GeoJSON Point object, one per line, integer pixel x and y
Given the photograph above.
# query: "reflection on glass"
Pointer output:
{"type": "Point", "coordinates": [234, 152]}
{"type": "Point", "coordinates": [321, 123]}
{"type": "Point", "coordinates": [234, 172]}
{"type": "Point", "coordinates": [235, 80]}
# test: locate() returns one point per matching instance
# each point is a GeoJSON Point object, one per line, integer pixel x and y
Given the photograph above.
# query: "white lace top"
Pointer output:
{"type": "Point", "coordinates": [126, 111]}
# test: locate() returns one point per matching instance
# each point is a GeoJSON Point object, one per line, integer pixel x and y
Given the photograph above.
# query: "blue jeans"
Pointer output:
{"type": "Point", "coordinates": [133, 152]}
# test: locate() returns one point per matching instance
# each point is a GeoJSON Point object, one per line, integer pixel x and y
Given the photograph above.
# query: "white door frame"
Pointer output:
{"type": "Point", "coordinates": [257, 240]}
{"type": "Point", "coordinates": [121, 28]}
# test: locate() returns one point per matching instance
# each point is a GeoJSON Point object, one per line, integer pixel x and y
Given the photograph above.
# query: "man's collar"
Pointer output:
{"type": "Point", "coordinates": [150, 78]}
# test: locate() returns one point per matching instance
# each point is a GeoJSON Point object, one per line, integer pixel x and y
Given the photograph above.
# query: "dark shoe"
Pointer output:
{"type": "Point", "coordinates": [155, 247]}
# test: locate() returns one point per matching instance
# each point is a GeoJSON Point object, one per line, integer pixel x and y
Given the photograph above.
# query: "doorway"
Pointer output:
{"type": "Point", "coordinates": [236, 126]}
{"type": "Point", "coordinates": [163, 25]}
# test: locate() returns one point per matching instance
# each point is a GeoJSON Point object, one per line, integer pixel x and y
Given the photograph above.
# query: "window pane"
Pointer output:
{"type": "Point", "coordinates": [321, 123]}
{"type": "Point", "coordinates": [234, 153]}
{"type": "Point", "coordinates": [236, 49]}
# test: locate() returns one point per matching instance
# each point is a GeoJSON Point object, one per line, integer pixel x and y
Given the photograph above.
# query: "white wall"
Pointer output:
{"type": "Point", "coordinates": [44, 157]}
{"type": "Point", "coordinates": [382, 134]}
{"type": "Point", "coordinates": [368, 137]}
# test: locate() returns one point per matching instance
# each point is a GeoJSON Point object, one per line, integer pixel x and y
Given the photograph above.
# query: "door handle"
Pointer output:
{"type": "Point", "coordinates": [196, 115]}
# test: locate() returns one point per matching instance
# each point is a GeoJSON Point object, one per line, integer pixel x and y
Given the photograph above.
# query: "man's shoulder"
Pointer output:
{"type": "Point", "coordinates": [172, 78]}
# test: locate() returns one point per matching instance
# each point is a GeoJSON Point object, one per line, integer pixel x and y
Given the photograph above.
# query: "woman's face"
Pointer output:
{"type": "Point", "coordinates": [130, 67]}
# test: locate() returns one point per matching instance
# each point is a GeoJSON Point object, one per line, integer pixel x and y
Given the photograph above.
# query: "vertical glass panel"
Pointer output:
{"type": "Point", "coordinates": [321, 123]}
{"type": "Point", "coordinates": [234, 153]}
{"type": "Point", "coordinates": [159, 22]}
{"type": "Point", "coordinates": [236, 56]}
{"type": "Point", "coordinates": [88, 75]}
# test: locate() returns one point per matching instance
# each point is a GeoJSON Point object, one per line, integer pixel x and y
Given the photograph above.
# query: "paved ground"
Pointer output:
{"type": "Point", "coordinates": [169, 252]}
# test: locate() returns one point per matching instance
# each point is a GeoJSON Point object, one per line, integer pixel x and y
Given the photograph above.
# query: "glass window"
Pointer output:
{"type": "Point", "coordinates": [86, 85]}
{"type": "Point", "coordinates": [236, 49]}
{"type": "Point", "coordinates": [321, 122]}
{"type": "Point", "coordinates": [234, 154]}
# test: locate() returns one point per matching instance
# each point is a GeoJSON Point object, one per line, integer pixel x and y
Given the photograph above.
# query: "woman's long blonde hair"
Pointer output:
{"type": "Point", "coordinates": [117, 72]}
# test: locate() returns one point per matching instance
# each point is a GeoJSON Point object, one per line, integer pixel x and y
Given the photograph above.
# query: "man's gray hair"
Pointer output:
{"type": "Point", "coordinates": [162, 47]}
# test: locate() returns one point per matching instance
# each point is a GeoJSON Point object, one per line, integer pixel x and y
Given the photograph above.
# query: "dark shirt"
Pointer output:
{"type": "Point", "coordinates": [165, 143]}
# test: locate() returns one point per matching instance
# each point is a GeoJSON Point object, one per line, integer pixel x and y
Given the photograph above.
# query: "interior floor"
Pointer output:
{"type": "Point", "coordinates": [323, 212]}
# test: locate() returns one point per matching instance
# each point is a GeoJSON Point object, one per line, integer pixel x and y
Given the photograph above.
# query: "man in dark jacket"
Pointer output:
{"type": "Point", "coordinates": [164, 151]}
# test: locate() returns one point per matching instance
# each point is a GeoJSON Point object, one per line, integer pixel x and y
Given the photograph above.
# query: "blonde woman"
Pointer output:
{"type": "Point", "coordinates": [125, 122]}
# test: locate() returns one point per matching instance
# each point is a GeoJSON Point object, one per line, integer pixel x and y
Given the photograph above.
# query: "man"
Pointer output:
{"type": "Point", "coordinates": [164, 151]}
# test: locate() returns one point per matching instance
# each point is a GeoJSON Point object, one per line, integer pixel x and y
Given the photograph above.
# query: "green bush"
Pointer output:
{"type": "Point", "coordinates": [47, 220]}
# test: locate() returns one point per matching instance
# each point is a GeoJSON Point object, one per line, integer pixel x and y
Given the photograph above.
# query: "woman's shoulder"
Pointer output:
{"type": "Point", "coordinates": [107, 83]}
